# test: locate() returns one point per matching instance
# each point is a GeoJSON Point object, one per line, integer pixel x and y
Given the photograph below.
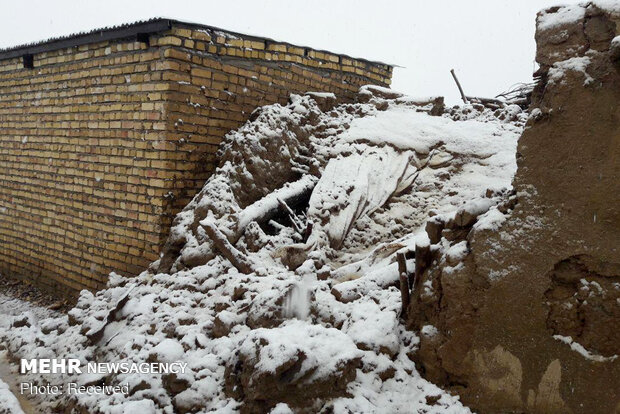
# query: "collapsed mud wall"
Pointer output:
{"type": "Point", "coordinates": [527, 320]}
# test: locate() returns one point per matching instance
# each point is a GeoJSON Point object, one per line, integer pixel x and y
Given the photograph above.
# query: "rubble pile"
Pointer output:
{"type": "Point", "coordinates": [279, 284]}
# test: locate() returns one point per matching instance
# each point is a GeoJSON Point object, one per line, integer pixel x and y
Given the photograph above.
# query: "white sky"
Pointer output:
{"type": "Point", "coordinates": [489, 43]}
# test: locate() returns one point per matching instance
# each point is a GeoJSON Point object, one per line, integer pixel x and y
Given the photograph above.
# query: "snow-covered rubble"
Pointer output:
{"type": "Point", "coordinates": [313, 323]}
{"type": "Point", "coordinates": [8, 401]}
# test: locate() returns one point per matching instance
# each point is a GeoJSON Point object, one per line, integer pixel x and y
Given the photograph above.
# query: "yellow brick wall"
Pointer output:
{"type": "Point", "coordinates": [100, 145]}
{"type": "Point", "coordinates": [218, 79]}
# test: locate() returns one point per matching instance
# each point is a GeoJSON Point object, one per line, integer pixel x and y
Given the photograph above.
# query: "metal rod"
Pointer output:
{"type": "Point", "coordinates": [459, 86]}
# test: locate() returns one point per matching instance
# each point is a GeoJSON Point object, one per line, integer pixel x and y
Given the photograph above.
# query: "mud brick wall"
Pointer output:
{"type": "Point", "coordinates": [102, 144]}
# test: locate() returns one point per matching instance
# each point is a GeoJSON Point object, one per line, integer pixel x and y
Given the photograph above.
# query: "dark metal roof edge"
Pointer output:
{"type": "Point", "coordinates": [128, 30]}
{"type": "Point", "coordinates": [79, 39]}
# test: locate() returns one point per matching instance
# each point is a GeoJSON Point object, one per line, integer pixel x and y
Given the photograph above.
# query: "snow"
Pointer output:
{"type": "Point", "coordinates": [564, 15]}
{"type": "Point", "coordinates": [575, 64]}
{"type": "Point", "coordinates": [457, 252]}
{"type": "Point", "coordinates": [322, 94]}
{"type": "Point", "coordinates": [609, 5]}
{"type": "Point", "coordinates": [379, 175]}
{"type": "Point", "coordinates": [577, 347]}
{"type": "Point", "coordinates": [324, 348]}
{"type": "Point", "coordinates": [405, 129]}
{"type": "Point", "coordinates": [168, 350]}
{"type": "Point", "coordinates": [551, 18]}
{"type": "Point", "coordinates": [371, 328]}
{"type": "Point", "coordinates": [10, 306]}
{"type": "Point", "coordinates": [491, 220]}
{"type": "Point", "coordinates": [8, 401]}
{"type": "Point", "coordinates": [476, 207]}
{"type": "Point", "coordinates": [371, 89]}
{"type": "Point", "coordinates": [429, 330]}
{"type": "Point", "coordinates": [141, 406]}
{"type": "Point", "coordinates": [282, 408]}
{"type": "Point", "coordinates": [357, 184]}
{"type": "Point", "coordinates": [535, 113]}
{"type": "Point", "coordinates": [297, 303]}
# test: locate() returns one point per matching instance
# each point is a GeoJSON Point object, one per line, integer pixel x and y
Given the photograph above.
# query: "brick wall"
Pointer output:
{"type": "Point", "coordinates": [101, 144]}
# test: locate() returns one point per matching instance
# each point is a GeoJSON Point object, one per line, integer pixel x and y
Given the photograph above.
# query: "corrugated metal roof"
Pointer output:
{"type": "Point", "coordinates": [96, 35]}
{"type": "Point", "coordinates": [128, 30]}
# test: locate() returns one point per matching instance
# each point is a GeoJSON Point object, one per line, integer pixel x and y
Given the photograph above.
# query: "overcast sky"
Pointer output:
{"type": "Point", "coordinates": [489, 43]}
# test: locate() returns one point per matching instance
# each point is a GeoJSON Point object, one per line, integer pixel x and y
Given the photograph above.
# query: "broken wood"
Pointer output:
{"type": "Point", "coordinates": [458, 84]}
{"type": "Point", "coordinates": [423, 257]}
{"type": "Point", "coordinates": [490, 103]}
{"type": "Point", "coordinates": [276, 225]}
{"type": "Point", "coordinates": [308, 231]}
{"type": "Point", "coordinates": [404, 284]}
{"type": "Point", "coordinates": [268, 207]}
{"type": "Point", "coordinates": [519, 94]}
{"type": "Point", "coordinates": [486, 100]}
{"type": "Point", "coordinates": [291, 216]}
{"type": "Point", "coordinates": [221, 243]}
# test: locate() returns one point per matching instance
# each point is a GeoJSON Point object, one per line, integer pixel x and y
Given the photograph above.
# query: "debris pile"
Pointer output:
{"type": "Point", "coordinates": [279, 285]}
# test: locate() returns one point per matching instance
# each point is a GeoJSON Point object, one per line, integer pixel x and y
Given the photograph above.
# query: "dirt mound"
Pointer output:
{"type": "Point", "coordinates": [525, 318]}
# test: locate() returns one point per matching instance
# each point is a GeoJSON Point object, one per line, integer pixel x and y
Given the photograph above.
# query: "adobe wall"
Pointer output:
{"type": "Point", "coordinates": [102, 144]}
{"type": "Point", "coordinates": [528, 321]}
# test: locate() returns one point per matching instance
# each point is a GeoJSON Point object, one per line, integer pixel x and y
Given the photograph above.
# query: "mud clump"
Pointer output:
{"type": "Point", "coordinates": [583, 303]}
{"type": "Point", "coordinates": [525, 320]}
{"type": "Point", "coordinates": [275, 366]}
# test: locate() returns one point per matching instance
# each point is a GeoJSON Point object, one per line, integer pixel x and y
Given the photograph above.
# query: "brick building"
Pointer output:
{"type": "Point", "coordinates": [104, 136]}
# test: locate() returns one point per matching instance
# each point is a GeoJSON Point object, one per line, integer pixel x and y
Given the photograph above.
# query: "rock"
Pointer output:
{"type": "Point", "coordinates": [467, 215]}
{"type": "Point", "coordinates": [614, 51]}
{"type": "Point", "coordinates": [57, 305]}
{"type": "Point", "coordinates": [170, 330]}
{"type": "Point", "coordinates": [455, 233]}
{"type": "Point", "coordinates": [72, 318]}
{"type": "Point", "coordinates": [20, 321]}
{"type": "Point", "coordinates": [50, 325]}
{"type": "Point", "coordinates": [423, 258]}
{"type": "Point", "coordinates": [292, 364]}
{"type": "Point", "coordinates": [140, 386]}
{"type": "Point", "coordinates": [174, 383]}
{"type": "Point", "coordinates": [464, 218]}
{"type": "Point", "coordinates": [561, 42]}
{"type": "Point", "coordinates": [221, 326]}
{"type": "Point", "coordinates": [325, 101]}
{"type": "Point", "coordinates": [238, 293]}
{"type": "Point", "coordinates": [294, 255]}
{"type": "Point", "coordinates": [345, 296]}
{"type": "Point", "coordinates": [433, 228]}
{"type": "Point", "coordinates": [187, 320]}
{"type": "Point", "coordinates": [387, 373]}
{"type": "Point", "coordinates": [440, 159]}
{"type": "Point", "coordinates": [196, 258]}
{"type": "Point", "coordinates": [432, 399]}
{"type": "Point", "coordinates": [367, 92]}
{"type": "Point", "coordinates": [583, 305]}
